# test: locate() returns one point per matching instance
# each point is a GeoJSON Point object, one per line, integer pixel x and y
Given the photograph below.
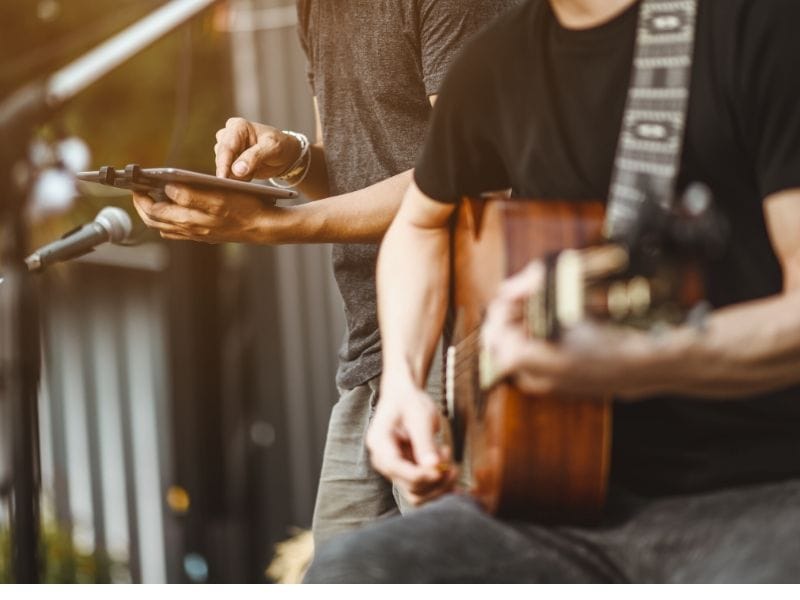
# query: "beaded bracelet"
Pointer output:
{"type": "Point", "coordinates": [297, 172]}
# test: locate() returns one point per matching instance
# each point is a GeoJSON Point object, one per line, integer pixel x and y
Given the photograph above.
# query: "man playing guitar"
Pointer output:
{"type": "Point", "coordinates": [705, 471]}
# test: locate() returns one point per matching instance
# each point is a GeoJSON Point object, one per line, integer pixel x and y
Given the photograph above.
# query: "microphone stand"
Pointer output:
{"type": "Point", "coordinates": [20, 357]}
{"type": "Point", "coordinates": [19, 378]}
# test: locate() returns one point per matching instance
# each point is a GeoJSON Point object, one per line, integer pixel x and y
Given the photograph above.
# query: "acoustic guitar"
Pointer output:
{"type": "Point", "coordinates": [543, 457]}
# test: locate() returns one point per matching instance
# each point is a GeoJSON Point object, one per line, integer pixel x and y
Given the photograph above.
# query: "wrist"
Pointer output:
{"type": "Point", "coordinates": [399, 372]}
{"type": "Point", "coordinates": [678, 360]}
{"type": "Point", "coordinates": [664, 367]}
{"type": "Point", "coordinates": [296, 169]}
{"type": "Point", "coordinates": [271, 226]}
{"type": "Point", "coordinates": [291, 224]}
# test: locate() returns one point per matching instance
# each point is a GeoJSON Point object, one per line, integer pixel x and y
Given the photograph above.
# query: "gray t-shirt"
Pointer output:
{"type": "Point", "coordinates": [372, 66]}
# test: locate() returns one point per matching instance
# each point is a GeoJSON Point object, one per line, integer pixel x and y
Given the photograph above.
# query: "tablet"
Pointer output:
{"type": "Point", "coordinates": [152, 181]}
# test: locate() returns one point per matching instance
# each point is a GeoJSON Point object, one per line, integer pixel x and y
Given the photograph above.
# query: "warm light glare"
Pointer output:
{"type": "Point", "coordinates": [178, 499]}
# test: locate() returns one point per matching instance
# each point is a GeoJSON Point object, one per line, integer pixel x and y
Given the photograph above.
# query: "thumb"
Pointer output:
{"type": "Point", "coordinates": [528, 281]}
{"type": "Point", "coordinates": [255, 158]}
{"type": "Point", "coordinates": [244, 165]}
{"type": "Point", "coordinates": [421, 429]}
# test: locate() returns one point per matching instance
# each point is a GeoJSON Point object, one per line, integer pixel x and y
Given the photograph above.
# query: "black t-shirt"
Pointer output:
{"type": "Point", "coordinates": [536, 107]}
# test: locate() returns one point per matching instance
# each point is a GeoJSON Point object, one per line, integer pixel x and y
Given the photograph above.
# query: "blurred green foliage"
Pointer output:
{"type": "Point", "coordinates": [161, 108]}
{"type": "Point", "coordinates": [62, 562]}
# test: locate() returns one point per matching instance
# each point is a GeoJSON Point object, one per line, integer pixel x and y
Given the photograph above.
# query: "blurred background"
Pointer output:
{"type": "Point", "coordinates": [186, 388]}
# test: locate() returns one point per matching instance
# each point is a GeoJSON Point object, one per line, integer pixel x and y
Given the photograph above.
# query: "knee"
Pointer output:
{"type": "Point", "coordinates": [403, 549]}
{"type": "Point", "coordinates": [355, 558]}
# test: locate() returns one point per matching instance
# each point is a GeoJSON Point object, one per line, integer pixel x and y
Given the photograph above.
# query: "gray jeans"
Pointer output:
{"type": "Point", "coordinates": [351, 493]}
{"type": "Point", "coordinates": [747, 534]}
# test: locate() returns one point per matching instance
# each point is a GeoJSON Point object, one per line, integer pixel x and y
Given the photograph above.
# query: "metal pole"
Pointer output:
{"type": "Point", "coordinates": [95, 64]}
{"type": "Point", "coordinates": [19, 369]}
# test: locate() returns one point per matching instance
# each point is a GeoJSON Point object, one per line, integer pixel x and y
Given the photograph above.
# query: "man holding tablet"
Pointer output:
{"type": "Point", "coordinates": [375, 67]}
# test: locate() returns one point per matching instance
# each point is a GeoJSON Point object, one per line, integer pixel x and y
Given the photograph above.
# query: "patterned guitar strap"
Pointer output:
{"type": "Point", "coordinates": [651, 139]}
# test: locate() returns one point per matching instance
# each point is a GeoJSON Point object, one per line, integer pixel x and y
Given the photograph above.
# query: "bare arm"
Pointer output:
{"type": "Point", "coordinates": [413, 274]}
{"type": "Point", "coordinates": [358, 217]}
{"type": "Point", "coordinates": [752, 347]}
{"type": "Point", "coordinates": [413, 271]}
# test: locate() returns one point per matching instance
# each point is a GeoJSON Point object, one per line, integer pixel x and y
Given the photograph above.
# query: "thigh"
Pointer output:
{"type": "Point", "coordinates": [351, 493]}
{"type": "Point", "coordinates": [739, 535]}
{"type": "Point", "coordinates": [453, 541]}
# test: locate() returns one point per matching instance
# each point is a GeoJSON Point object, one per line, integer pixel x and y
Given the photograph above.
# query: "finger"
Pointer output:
{"type": "Point", "coordinates": [142, 205]}
{"type": "Point", "coordinates": [425, 479]}
{"type": "Point", "coordinates": [265, 152]}
{"type": "Point", "coordinates": [203, 201]}
{"type": "Point", "coordinates": [530, 383]}
{"type": "Point", "coordinates": [179, 237]}
{"type": "Point", "coordinates": [223, 157]}
{"type": "Point", "coordinates": [230, 142]}
{"type": "Point", "coordinates": [421, 428]}
{"type": "Point", "coordinates": [503, 312]}
{"type": "Point", "coordinates": [421, 494]}
{"type": "Point", "coordinates": [391, 456]}
{"type": "Point", "coordinates": [146, 208]}
{"type": "Point", "coordinates": [167, 213]}
{"type": "Point", "coordinates": [142, 200]}
{"type": "Point", "coordinates": [543, 366]}
{"type": "Point", "coordinates": [502, 344]}
{"type": "Point", "coordinates": [167, 228]}
{"type": "Point", "coordinates": [425, 486]}
{"type": "Point", "coordinates": [446, 456]}
{"type": "Point", "coordinates": [390, 461]}
{"type": "Point", "coordinates": [444, 486]}
{"type": "Point", "coordinates": [172, 236]}
{"type": "Point", "coordinates": [511, 350]}
{"type": "Point", "coordinates": [528, 281]}
{"type": "Point", "coordinates": [194, 235]}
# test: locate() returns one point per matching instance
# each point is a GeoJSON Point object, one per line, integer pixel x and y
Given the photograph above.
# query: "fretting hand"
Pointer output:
{"type": "Point", "coordinates": [591, 358]}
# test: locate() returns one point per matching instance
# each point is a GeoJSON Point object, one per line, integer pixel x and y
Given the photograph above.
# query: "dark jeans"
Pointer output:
{"type": "Point", "coordinates": [746, 534]}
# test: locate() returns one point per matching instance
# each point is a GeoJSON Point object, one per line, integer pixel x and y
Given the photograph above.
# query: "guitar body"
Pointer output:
{"type": "Point", "coordinates": [543, 458]}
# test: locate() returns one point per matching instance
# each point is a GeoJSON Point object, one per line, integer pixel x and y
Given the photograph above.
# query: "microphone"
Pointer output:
{"type": "Point", "coordinates": [111, 224]}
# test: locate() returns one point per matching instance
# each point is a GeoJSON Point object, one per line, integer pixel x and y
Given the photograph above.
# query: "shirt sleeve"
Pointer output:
{"type": "Point", "coordinates": [771, 88]}
{"type": "Point", "coordinates": [461, 154]}
{"type": "Point", "coordinates": [303, 8]}
{"type": "Point", "coordinates": [445, 27]}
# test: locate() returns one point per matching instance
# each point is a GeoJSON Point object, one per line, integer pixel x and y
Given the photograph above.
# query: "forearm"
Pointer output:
{"type": "Point", "coordinates": [413, 271]}
{"type": "Point", "coordinates": [743, 350]}
{"type": "Point", "coordinates": [358, 217]}
{"type": "Point", "coordinates": [752, 347]}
